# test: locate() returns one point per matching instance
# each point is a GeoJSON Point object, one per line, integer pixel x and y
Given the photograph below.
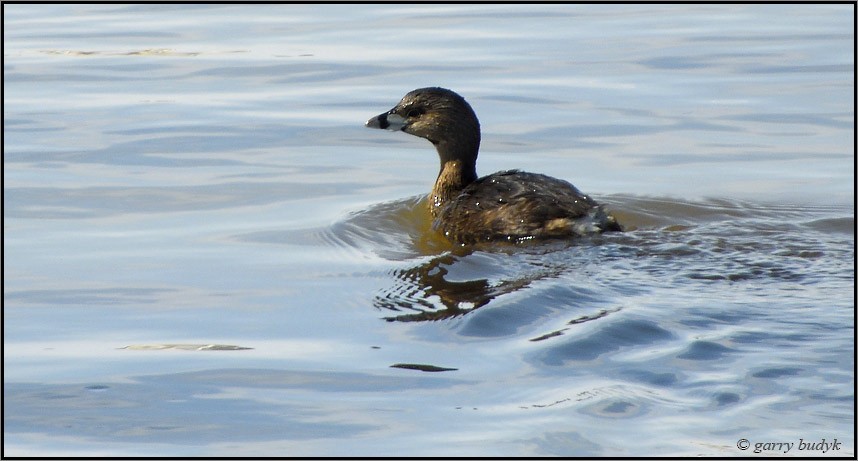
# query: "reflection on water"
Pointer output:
{"type": "Point", "coordinates": [419, 286]}
{"type": "Point", "coordinates": [685, 241]}
{"type": "Point", "coordinates": [465, 279]}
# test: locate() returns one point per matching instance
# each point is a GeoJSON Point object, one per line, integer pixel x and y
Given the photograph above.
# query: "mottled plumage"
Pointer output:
{"type": "Point", "coordinates": [505, 206]}
{"type": "Point", "coordinates": [515, 205]}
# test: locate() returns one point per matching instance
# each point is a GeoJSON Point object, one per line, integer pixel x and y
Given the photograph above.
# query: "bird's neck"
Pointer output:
{"type": "Point", "coordinates": [458, 154]}
{"type": "Point", "coordinates": [454, 176]}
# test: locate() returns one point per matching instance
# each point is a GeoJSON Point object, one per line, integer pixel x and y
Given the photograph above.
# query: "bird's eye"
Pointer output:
{"type": "Point", "coordinates": [415, 112]}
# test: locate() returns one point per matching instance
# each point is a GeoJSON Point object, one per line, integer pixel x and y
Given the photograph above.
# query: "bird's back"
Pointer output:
{"type": "Point", "coordinates": [514, 205]}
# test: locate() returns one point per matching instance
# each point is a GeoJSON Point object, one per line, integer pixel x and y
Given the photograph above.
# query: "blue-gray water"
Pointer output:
{"type": "Point", "coordinates": [206, 253]}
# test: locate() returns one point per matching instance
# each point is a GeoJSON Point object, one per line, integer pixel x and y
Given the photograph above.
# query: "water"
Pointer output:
{"type": "Point", "coordinates": [206, 254]}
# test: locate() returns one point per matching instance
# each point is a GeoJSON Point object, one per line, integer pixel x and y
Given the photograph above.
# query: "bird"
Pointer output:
{"type": "Point", "coordinates": [509, 206]}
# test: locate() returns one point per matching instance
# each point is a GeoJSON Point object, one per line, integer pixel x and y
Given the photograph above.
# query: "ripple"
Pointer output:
{"type": "Point", "coordinates": [506, 290]}
{"type": "Point", "coordinates": [397, 230]}
{"type": "Point", "coordinates": [776, 372]}
{"type": "Point", "coordinates": [610, 338]}
{"type": "Point", "coordinates": [705, 350]}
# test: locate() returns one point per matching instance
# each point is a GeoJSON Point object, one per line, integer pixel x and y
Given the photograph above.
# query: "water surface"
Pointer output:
{"type": "Point", "coordinates": [206, 254]}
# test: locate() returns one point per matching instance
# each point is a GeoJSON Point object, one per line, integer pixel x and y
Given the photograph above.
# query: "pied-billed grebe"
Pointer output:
{"type": "Point", "coordinates": [508, 205]}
